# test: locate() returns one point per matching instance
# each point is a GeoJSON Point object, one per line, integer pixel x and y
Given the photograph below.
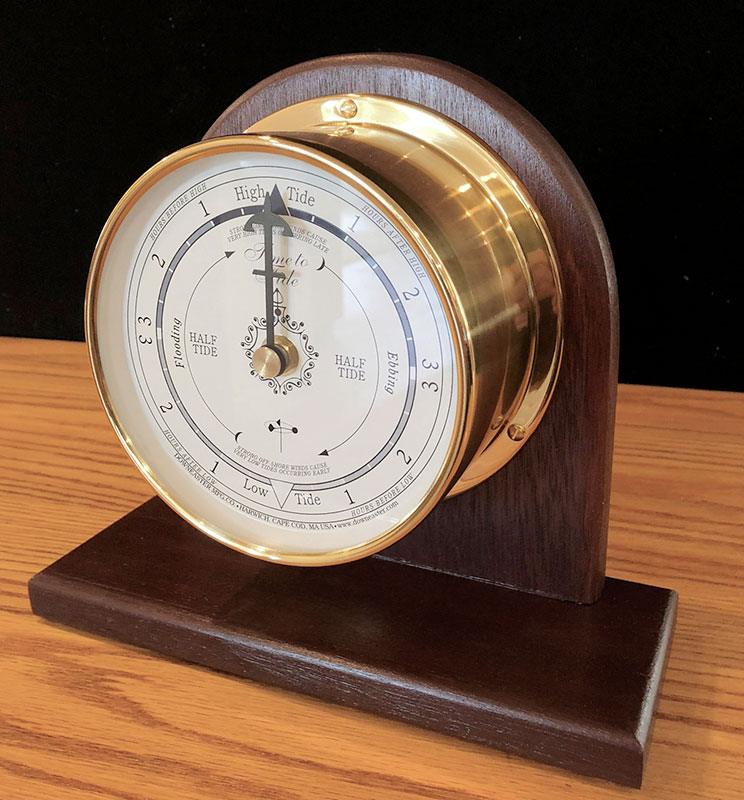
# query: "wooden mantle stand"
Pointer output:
{"type": "Point", "coordinates": [566, 684]}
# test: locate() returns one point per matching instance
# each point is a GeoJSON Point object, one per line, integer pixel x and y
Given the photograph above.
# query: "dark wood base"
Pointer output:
{"type": "Point", "coordinates": [566, 684]}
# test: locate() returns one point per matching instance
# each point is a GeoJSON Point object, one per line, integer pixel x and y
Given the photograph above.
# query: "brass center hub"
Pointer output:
{"type": "Point", "coordinates": [273, 361]}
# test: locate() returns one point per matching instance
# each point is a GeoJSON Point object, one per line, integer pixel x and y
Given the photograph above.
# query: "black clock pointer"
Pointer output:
{"type": "Point", "coordinates": [269, 220]}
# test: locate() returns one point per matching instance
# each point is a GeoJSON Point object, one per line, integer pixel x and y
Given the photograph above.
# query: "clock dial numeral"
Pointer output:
{"type": "Point", "coordinates": [402, 454]}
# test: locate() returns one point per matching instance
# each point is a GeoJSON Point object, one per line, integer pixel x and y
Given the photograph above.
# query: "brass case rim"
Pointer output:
{"type": "Point", "coordinates": [463, 354]}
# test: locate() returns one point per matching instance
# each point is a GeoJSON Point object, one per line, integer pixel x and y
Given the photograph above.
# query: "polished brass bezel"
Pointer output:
{"type": "Point", "coordinates": [466, 374]}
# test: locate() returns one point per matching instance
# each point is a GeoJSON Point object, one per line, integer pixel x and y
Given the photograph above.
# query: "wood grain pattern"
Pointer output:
{"type": "Point", "coordinates": [567, 684]}
{"type": "Point", "coordinates": [82, 717]}
{"type": "Point", "coordinates": [540, 523]}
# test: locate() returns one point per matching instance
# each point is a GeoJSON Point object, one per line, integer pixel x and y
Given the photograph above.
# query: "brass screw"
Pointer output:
{"type": "Point", "coordinates": [347, 108]}
{"type": "Point", "coordinates": [516, 433]}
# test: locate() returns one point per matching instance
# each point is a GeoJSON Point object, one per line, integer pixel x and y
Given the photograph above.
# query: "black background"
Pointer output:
{"type": "Point", "coordinates": [644, 97]}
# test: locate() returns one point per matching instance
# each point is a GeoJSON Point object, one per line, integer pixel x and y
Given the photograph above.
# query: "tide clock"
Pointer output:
{"type": "Point", "coordinates": [308, 334]}
{"type": "Point", "coordinates": [363, 336]}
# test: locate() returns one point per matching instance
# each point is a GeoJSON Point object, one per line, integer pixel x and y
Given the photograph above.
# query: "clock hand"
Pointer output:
{"type": "Point", "coordinates": [269, 360]}
{"type": "Point", "coordinates": [269, 220]}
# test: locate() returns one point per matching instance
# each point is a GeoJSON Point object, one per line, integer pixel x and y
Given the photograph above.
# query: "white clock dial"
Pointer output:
{"type": "Point", "coordinates": [354, 428]}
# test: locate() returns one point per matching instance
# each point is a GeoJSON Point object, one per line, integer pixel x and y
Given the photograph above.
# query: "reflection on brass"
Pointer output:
{"type": "Point", "coordinates": [516, 433]}
{"type": "Point", "coordinates": [281, 359]}
{"type": "Point", "coordinates": [489, 251]}
{"type": "Point", "coordinates": [267, 362]}
{"type": "Point", "coordinates": [347, 108]}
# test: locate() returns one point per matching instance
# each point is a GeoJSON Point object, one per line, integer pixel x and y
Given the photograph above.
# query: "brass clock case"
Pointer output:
{"type": "Point", "coordinates": [486, 239]}
{"type": "Point", "coordinates": [468, 219]}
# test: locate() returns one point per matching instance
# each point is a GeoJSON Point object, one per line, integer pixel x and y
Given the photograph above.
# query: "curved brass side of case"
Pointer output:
{"type": "Point", "coordinates": [498, 260]}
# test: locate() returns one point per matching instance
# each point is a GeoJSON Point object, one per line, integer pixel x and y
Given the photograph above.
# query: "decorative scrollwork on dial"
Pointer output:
{"type": "Point", "coordinates": [294, 331]}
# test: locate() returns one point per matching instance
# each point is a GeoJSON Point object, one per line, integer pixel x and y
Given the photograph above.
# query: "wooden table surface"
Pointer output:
{"type": "Point", "coordinates": [82, 717]}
